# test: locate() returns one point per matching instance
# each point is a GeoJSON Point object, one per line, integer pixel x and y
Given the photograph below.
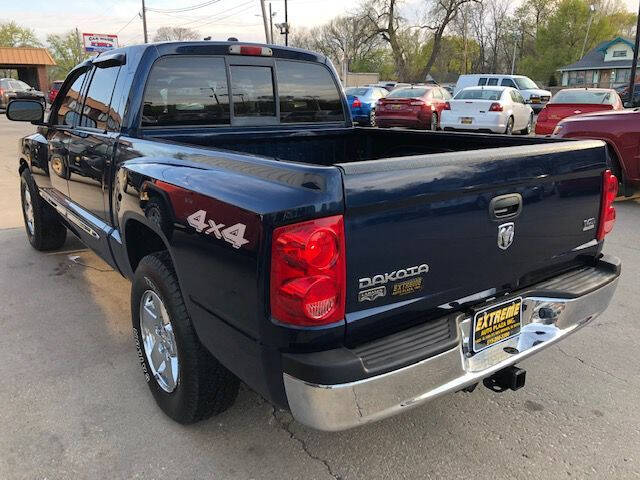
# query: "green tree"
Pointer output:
{"type": "Point", "coordinates": [67, 51]}
{"type": "Point", "coordinates": [13, 35]}
{"type": "Point", "coordinates": [559, 41]}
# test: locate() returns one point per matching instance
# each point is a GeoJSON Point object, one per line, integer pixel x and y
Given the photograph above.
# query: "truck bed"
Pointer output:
{"type": "Point", "coordinates": [329, 146]}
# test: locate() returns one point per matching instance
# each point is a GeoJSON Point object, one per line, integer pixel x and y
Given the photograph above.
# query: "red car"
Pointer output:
{"type": "Point", "coordinates": [53, 91]}
{"type": "Point", "coordinates": [620, 130]}
{"type": "Point", "coordinates": [414, 107]}
{"type": "Point", "coordinates": [574, 101]}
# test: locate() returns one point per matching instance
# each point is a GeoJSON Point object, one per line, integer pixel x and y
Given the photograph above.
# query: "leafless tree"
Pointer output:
{"type": "Point", "coordinates": [164, 34]}
{"type": "Point", "coordinates": [441, 13]}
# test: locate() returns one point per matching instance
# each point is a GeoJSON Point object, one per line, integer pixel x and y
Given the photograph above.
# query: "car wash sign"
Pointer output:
{"type": "Point", "coordinates": [98, 42]}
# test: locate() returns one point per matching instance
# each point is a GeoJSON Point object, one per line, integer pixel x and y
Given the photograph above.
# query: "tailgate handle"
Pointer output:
{"type": "Point", "coordinates": [505, 206]}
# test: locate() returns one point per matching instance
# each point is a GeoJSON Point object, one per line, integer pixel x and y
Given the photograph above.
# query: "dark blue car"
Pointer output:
{"type": "Point", "coordinates": [362, 103]}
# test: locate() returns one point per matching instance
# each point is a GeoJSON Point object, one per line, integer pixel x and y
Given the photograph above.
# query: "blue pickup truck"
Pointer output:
{"type": "Point", "coordinates": [344, 273]}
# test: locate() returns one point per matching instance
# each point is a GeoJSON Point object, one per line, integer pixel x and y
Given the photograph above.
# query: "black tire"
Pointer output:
{"type": "Point", "coordinates": [434, 122]}
{"type": "Point", "coordinates": [204, 387]}
{"type": "Point", "coordinates": [509, 129]}
{"type": "Point", "coordinates": [528, 128]}
{"type": "Point", "coordinates": [614, 166]}
{"type": "Point", "coordinates": [46, 231]}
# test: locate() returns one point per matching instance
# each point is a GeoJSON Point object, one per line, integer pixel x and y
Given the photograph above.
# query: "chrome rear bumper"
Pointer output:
{"type": "Point", "coordinates": [347, 405]}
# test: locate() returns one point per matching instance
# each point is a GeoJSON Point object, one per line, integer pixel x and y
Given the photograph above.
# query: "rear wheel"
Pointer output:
{"type": "Point", "coordinates": [187, 382]}
{"type": "Point", "coordinates": [614, 165]}
{"type": "Point", "coordinates": [434, 121]}
{"type": "Point", "coordinates": [44, 229]}
{"type": "Point", "coordinates": [509, 129]}
{"type": "Point", "coordinates": [528, 128]}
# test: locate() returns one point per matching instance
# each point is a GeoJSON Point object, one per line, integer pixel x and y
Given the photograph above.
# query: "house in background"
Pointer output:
{"type": "Point", "coordinates": [608, 65]}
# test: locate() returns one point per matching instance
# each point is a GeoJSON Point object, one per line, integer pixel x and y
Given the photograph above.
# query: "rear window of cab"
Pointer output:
{"type": "Point", "coordinates": [195, 90]}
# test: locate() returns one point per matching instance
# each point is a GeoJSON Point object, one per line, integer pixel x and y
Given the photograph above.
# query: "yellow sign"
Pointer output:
{"type": "Point", "coordinates": [496, 323]}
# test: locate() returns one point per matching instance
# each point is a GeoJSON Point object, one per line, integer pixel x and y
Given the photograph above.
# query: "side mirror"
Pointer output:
{"type": "Point", "coordinates": [25, 111]}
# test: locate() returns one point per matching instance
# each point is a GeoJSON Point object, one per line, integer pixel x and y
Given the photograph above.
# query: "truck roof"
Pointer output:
{"type": "Point", "coordinates": [205, 47]}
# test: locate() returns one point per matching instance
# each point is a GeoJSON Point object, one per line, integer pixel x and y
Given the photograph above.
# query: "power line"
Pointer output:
{"type": "Point", "coordinates": [129, 22]}
{"type": "Point", "coordinates": [182, 9]}
{"type": "Point", "coordinates": [216, 17]}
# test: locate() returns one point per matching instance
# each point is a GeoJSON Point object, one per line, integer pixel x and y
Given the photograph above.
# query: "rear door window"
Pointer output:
{"type": "Point", "coordinates": [492, 81]}
{"type": "Point", "coordinates": [97, 105]}
{"type": "Point", "coordinates": [252, 90]}
{"type": "Point", "coordinates": [307, 93]}
{"type": "Point", "coordinates": [186, 90]}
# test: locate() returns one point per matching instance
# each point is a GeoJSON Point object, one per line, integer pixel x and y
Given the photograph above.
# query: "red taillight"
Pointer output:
{"type": "Point", "coordinates": [250, 50]}
{"type": "Point", "coordinates": [1, 92]}
{"type": "Point", "coordinates": [607, 210]}
{"type": "Point", "coordinates": [356, 103]}
{"type": "Point", "coordinates": [495, 107]}
{"type": "Point", "coordinates": [447, 106]}
{"type": "Point", "coordinates": [308, 272]}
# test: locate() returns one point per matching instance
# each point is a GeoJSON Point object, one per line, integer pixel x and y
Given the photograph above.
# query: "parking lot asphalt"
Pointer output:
{"type": "Point", "coordinates": [74, 404]}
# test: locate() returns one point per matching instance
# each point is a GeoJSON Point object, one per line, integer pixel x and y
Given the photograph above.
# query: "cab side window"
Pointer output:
{"type": "Point", "coordinates": [507, 82]}
{"type": "Point", "coordinates": [97, 111]}
{"type": "Point", "coordinates": [71, 107]}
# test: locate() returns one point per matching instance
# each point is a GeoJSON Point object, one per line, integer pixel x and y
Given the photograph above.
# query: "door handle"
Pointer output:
{"type": "Point", "coordinates": [505, 207]}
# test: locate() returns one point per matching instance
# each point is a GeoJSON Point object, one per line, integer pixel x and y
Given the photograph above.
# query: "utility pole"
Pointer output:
{"type": "Point", "coordinates": [592, 9]}
{"type": "Point", "coordinates": [79, 44]}
{"type": "Point", "coordinates": [144, 22]}
{"type": "Point", "coordinates": [286, 22]}
{"type": "Point", "coordinates": [264, 20]}
{"type": "Point", "coordinates": [634, 63]}
{"type": "Point", "coordinates": [270, 23]}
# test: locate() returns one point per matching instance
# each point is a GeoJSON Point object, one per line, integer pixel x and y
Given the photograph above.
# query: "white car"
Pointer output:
{"type": "Point", "coordinates": [488, 109]}
{"type": "Point", "coordinates": [527, 87]}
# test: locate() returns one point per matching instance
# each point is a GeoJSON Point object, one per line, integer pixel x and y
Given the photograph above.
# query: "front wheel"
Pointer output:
{"type": "Point", "coordinates": [434, 122]}
{"type": "Point", "coordinates": [509, 129]}
{"type": "Point", "coordinates": [43, 226]}
{"type": "Point", "coordinates": [187, 382]}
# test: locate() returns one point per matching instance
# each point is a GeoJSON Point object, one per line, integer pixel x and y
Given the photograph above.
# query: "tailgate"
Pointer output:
{"type": "Point", "coordinates": [425, 231]}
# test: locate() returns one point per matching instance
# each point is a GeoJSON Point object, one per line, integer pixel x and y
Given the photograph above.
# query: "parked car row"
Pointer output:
{"type": "Point", "coordinates": [12, 89]}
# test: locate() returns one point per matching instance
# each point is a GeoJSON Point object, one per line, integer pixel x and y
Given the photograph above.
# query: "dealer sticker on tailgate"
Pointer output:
{"type": "Point", "coordinates": [496, 323]}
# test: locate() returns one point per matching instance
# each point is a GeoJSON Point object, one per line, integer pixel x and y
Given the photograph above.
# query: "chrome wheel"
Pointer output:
{"type": "Point", "coordinates": [27, 207]}
{"type": "Point", "coordinates": [509, 129]}
{"type": "Point", "coordinates": [159, 341]}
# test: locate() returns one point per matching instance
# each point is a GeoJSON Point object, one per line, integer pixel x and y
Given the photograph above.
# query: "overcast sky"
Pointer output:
{"type": "Point", "coordinates": [221, 19]}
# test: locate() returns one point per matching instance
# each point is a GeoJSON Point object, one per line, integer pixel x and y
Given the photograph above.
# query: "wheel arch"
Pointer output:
{"type": "Point", "coordinates": [140, 240]}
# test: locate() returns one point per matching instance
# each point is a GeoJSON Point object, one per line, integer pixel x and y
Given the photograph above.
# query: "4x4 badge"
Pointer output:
{"type": "Point", "coordinates": [506, 231]}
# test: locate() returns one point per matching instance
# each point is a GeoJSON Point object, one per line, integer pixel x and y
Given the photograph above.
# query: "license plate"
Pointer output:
{"type": "Point", "coordinates": [496, 323]}
{"type": "Point", "coordinates": [535, 100]}
{"type": "Point", "coordinates": [397, 107]}
{"type": "Point", "coordinates": [466, 120]}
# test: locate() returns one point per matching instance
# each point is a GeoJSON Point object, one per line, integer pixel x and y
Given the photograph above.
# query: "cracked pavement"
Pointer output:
{"type": "Point", "coordinates": [74, 404]}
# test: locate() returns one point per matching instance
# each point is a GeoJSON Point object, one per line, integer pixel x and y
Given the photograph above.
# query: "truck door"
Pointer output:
{"type": "Point", "coordinates": [90, 151]}
{"type": "Point", "coordinates": [52, 177]}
